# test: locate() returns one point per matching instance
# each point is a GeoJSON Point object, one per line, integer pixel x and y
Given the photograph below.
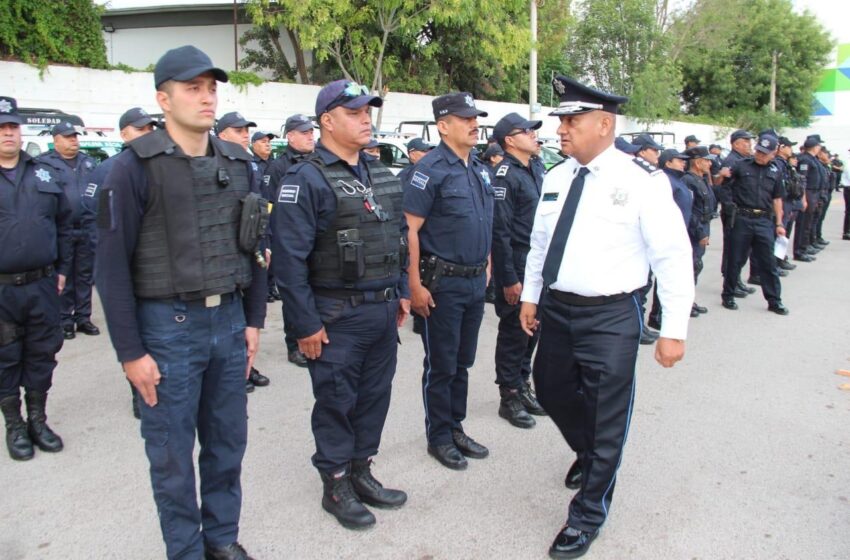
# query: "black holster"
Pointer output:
{"type": "Point", "coordinates": [254, 222]}
{"type": "Point", "coordinates": [430, 272]}
{"type": "Point", "coordinates": [730, 212]}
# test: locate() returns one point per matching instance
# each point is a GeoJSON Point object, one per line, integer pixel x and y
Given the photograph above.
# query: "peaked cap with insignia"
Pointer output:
{"type": "Point", "coordinates": [577, 98]}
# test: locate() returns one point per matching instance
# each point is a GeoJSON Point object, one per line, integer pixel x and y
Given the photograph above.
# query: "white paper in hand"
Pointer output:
{"type": "Point", "coordinates": [780, 248]}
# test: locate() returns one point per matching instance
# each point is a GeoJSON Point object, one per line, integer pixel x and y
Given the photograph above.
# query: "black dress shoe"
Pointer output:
{"type": "Point", "coordinates": [572, 543]}
{"type": "Point", "coordinates": [694, 312]}
{"type": "Point", "coordinates": [740, 293]}
{"type": "Point", "coordinates": [778, 308]}
{"type": "Point", "coordinates": [744, 287]}
{"type": "Point", "coordinates": [468, 446]}
{"type": "Point", "coordinates": [448, 455]}
{"type": "Point", "coordinates": [647, 336]}
{"type": "Point", "coordinates": [297, 358]}
{"type": "Point", "coordinates": [257, 378]}
{"type": "Point", "coordinates": [370, 491]}
{"type": "Point", "coordinates": [756, 280]}
{"type": "Point", "coordinates": [699, 309]}
{"type": "Point", "coordinates": [87, 327]}
{"type": "Point", "coordinates": [511, 409]}
{"type": "Point", "coordinates": [233, 551]}
{"type": "Point", "coordinates": [68, 332]}
{"type": "Point", "coordinates": [573, 479]}
{"type": "Point", "coordinates": [846, 237]}
{"type": "Point", "coordinates": [785, 265]}
{"type": "Point", "coordinates": [729, 303]}
{"type": "Point", "coordinates": [804, 258]}
{"type": "Point", "coordinates": [781, 272]}
{"type": "Point", "coordinates": [529, 400]}
{"type": "Point", "coordinates": [813, 250]}
{"type": "Point", "coordinates": [249, 387]}
{"type": "Point", "coordinates": [821, 241]}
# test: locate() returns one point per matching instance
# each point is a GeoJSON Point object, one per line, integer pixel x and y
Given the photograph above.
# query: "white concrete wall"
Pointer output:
{"type": "Point", "coordinates": [100, 96]}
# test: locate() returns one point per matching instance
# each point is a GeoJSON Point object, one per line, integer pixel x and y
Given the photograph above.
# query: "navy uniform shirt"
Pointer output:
{"type": "Point", "coordinates": [74, 177]}
{"type": "Point", "coordinates": [35, 219]}
{"type": "Point", "coordinates": [305, 208]}
{"type": "Point", "coordinates": [456, 201]}
{"type": "Point", "coordinates": [809, 167]}
{"type": "Point", "coordinates": [722, 190]}
{"type": "Point", "coordinates": [404, 174]}
{"type": "Point", "coordinates": [517, 191]}
{"type": "Point", "coordinates": [699, 225]}
{"type": "Point", "coordinates": [755, 186]}
{"type": "Point", "coordinates": [127, 192]}
{"type": "Point", "coordinates": [279, 167]}
{"type": "Point", "coordinates": [682, 196]}
{"type": "Point", "coordinates": [261, 168]}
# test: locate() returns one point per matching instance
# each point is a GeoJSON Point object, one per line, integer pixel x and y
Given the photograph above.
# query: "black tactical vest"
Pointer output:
{"type": "Point", "coordinates": [187, 244]}
{"type": "Point", "coordinates": [381, 240]}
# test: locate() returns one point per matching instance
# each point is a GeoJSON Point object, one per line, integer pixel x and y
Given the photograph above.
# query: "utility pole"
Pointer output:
{"type": "Point", "coordinates": [776, 56]}
{"type": "Point", "coordinates": [533, 106]}
{"type": "Point", "coordinates": [235, 39]}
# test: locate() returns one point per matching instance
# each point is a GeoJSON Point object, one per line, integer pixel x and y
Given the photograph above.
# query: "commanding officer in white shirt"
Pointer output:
{"type": "Point", "coordinates": [590, 254]}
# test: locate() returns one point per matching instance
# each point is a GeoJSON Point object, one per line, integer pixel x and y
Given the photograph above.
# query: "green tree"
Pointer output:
{"type": "Point", "coordinates": [41, 32]}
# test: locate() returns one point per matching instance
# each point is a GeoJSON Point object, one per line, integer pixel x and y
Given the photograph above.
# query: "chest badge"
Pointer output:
{"type": "Point", "coordinates": [486, 177]}
{"type": "Point", "coordinates": [44, 175]}
{"type": "Point", "coordinates": [620, 197]}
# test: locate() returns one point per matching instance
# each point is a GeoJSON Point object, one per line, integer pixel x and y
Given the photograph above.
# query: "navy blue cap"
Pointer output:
{"type": "Point", "coordinates": [298, 123]}
{"type": "Point", "coordinates": [738, 134]}
{"type": "Point", "coordinates": [135, 117]}
{"type": "Point", "coordinates": [492, 150]}
{"type": "Point", "coordinates": [625, 146]}
{"type": "Point", "coordinates": [64, 128]}
{"type": "Point", "coordinates": [669, 154]}
{"type": "Point", "coordinates": [232, 120]}
{"type": "Point", "coordinates": [372, 143]}
{"type": "Point", "coordinates": [712, 146]}
{"type": "Point", "coordinates": [184, 63]}
{"type": "Point", "coordinates": [511, 122]}
{"type": "Point", "coordinates": [767, 143]}
{"type": "Point", "coordinates": [460, 104]}
{"type": "Point", "coordinates": [770, 131]}
{"type": "Point", "coordinates": [343, 93]}
{"type": "Point", "coordinates": [577, 98]}
{"type": "Point", "coordinates": [260, 134]}
{"type": "Point", "coordinates": [9, 111]}
{"type": "Point", "coordinates": [812, 141]}
{"type": "Point", "coordinates": [420, 145]}
{"type": "Point", "coordinates": [692, 138]}
{"type": "Point", "coordinates": [699, 152]}
{"type": "Point", "coordinates": [785, 141]}
{"type": "Point", "coordinates": [645, 141]}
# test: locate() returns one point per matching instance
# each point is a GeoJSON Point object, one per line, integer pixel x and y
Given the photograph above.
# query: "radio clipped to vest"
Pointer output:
{"type": "Point", "coordinates": [352, 258]}
{"type": "Point", "coordinates": [253, 225]}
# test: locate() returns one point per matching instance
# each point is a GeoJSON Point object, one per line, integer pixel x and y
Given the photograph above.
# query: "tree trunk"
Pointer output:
{"type": "Point", "coordinates": [299, 57]}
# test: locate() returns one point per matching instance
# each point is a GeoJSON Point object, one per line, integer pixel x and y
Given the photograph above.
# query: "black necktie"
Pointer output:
{"type": "Point", "coordinates": [552, 264]}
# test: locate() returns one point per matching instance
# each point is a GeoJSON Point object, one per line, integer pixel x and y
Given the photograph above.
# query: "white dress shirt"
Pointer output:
{"type": "Point", "coordinates": [625, 223]}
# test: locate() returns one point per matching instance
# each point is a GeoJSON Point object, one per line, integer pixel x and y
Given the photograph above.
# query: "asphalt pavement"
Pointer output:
{"type": "Point", "coordinates": [739, 452]}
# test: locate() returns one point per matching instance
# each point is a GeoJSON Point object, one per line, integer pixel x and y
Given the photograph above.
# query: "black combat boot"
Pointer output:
{"type": "Point", "coordinates": [370, 491]}
{"type": "Point", "coordinates": [511, 409]}
{"type": "Point", "coordinates": [340, 500]}
{"type": "Point", "coordinates": [18, 442]}
{"type": "Point", "coordinates": [41, 434]}
{"type": "Point", "coordinates": [529, 400]}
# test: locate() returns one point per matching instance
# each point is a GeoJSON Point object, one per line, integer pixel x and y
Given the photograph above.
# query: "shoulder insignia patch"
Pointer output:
{"type": "Point", "coordinates": [645, 165]}
{"type": "Point", "coordinates": [288, 194]}
{"type": "Point", "coordinates": [502, 171]}
{"type": "Point", "coordinates": [419, 180]}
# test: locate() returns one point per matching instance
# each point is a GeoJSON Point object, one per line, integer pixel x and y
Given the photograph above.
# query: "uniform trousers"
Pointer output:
{"type": "Point", "coordinates": [584, 373]}
{"type": "Point", "coordinates": [757, 235]}
{"type": "Point", "coordinates": [450, 338]}
{"type": "Point", "coordinates": [76, 297]}
{"type": "Point", "coordinates": [514, 348]}
{"type": "Point", "coordinates": [29, 361]}
{"type": "Point", "coordinates": [200, 352]}
{"type": "Point", "coordinates": [352, 380]}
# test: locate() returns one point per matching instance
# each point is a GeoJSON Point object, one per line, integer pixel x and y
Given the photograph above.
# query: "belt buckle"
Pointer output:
{"type": "Point", "coordinates": [388, 294]}
{"type": "Point", "coordinates": [212, 301]}
{"type": "Point", "coordinates": [19, 279]}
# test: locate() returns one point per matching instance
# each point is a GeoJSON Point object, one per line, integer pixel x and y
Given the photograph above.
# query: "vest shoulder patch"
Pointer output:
{"type": "Point", "coordinates": [288, 194]}
{"type": "Point", "coordinates": [502, 171]}
{"type": "Point", "coordinates": [646, 166]}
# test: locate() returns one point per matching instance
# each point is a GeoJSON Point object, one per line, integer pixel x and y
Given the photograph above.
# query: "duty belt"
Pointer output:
{"type": "Point", "coordinates": [21, 278]}
{"type": "Point", "coordinates": [447, 268]}
{"type": "Point", "coordinates": [585, 301]}
{"type": "Point", "coordinates": [755, 212]}
{"type": "Point", "coordinates": [358, 297]}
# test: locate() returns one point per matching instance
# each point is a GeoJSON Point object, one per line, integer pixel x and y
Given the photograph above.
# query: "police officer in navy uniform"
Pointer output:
{"type": "Point", "coordinates": [184, 299]}
{"type": "Point", "coordinates": [74, 168]}
{"type": "Point", "coordinates": [448, 205]}
{"type": "Point", "coordinates": [590, 255]}
{"type": "Point", "coordinates": [35, 225]}
{"type": "Point", "coordinates": [809, 168]}
{"type": "Point", "coordinates": [337, 224]}
{"type": "Point", "coordinates": [235, 128]}
{"type": "Point", "coordinates": [134, 122]}
{"type": "Point", "coordinates": [702, 210]}
{"type": "Point", "coordinates": [416, 150]}
{"type": "Point", "coordinates": [300, 141]}
{"type": "Point", "coordinates": [792, 204]}
{"type": "Point", "coordinates": [517, 189]}
{"type": "Point", "coordinates": [261, 148]}
{"type": "Point", "coordinates": [755, 188]}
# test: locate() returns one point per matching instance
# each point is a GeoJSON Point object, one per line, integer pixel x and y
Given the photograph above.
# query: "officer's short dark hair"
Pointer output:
{"type": "Point", "coordinates": [167, 86]}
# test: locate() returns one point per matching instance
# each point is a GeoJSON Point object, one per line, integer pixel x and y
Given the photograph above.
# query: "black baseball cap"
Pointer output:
{"type": "Point", "coordinates": [372, 143]}
{"type": "Point", "coordinates": [64, 128]}
{"type": "Point", "coordinates": [576, 98]}
{"type": "Point", "coordinates": [184, 63]}
{"type": "Point", "coordinates": [344, 93]}
{"type": "Point", "coordinates": [260, 134]}
{"type": "Point", "coordinates": [785, 141]}
{"type": "Point", "coordinates": [298, 123]}
{"type": "Point", "coordinates": [420, 145]}
{"type": "Point", "coordinates": [767, 143]}
{"type": "Point", "coordinates": [645, 141]}
{"type": "Point", "coordinates": [460, 104]}
{"type": "Point", "coordinates": [625, 146]}
{"type": "Point", "coordinates": [492, 150]}
{"type": "Point", "coordinates": [699, 152]}
{"type": "Point", "coordinates": [511, 122]}
{"type": "Point", "coordinates": [669, 154]}
{"type": "Point", "coordinates": [9, 111]}
{"type": "Point", "coordinates": [713, 146]}
{"type": "Point", "coordinates": [738, 134]}
{"type": "Point", "coordinates": [692, 138]}
{"type": "Point", "coordinates": [812, 141]}
{"type": "Point", "coordinates": [135, 117]}
{"type": "Point", "coordinates": [233, 119]}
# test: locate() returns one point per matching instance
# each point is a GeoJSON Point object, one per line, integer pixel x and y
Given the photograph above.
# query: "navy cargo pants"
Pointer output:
{"type": "Point", "coordinates": [29, 361]}
{"type": "Point", "coordinates": [450, 338]}
{"type": "Point", "coordinates": [514, 348]}
{"type": "Point", "coordinates": [200, 352]}
{"type": "Point", "coordinates": [76, 297]}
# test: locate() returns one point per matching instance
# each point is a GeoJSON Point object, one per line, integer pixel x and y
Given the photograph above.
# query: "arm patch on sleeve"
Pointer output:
{"type": "Point", "coordinates": [419, 180]}
{"type": "Point", "coordinates": [289, 194]}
